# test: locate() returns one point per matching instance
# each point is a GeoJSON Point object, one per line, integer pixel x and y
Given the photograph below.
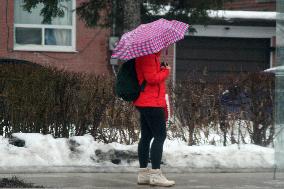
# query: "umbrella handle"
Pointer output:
{"type": "Point", "coordinates": [165, 54]}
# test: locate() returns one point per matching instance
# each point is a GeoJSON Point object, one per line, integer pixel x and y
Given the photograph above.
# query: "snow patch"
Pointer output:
{"type": "Point", "coordinates": [44, 150]}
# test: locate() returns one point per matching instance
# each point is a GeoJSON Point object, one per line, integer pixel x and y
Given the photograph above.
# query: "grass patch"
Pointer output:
{"type": "Point", "coordinates": [15, 182]}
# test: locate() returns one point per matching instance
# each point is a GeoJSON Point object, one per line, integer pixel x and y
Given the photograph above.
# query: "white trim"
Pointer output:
{"type": "Point", "coordinates": [234, 31]}
{"type": "Point", "coordinates": [74, 24]}
{"type": "Point", "coordinates": [43, 26]}
{"type": "Point", "coordinates": [42, 36]}
{"type": "Point", "coordinates": [52, 48]}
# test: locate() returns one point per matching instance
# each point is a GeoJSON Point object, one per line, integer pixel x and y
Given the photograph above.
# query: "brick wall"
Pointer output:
{"type": "Point", "coordinates": [251, 5]}
{"type": "Point", "coordinates": [91, 46]}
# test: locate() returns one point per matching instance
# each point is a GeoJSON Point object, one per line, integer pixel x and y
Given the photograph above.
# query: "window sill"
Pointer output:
{"type": "Point", "coordinates": [35, 48]}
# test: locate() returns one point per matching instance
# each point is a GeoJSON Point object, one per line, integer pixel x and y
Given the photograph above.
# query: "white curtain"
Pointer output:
{"type": "Point", "coordinates": [62, 37]}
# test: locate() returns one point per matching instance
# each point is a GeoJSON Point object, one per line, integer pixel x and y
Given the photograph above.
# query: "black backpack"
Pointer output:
{"type": "Point", "coordinates": [127, 86]}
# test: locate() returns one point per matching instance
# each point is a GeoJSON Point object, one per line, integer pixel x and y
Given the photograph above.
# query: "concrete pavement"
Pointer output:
{"type": "Point", "coordinates": [128, 180]}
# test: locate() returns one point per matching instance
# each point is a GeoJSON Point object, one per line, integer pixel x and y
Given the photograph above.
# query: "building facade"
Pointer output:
{"type": "Point", "coordinates": [241, 38]}
{"type": "Point", "coordinates": [68, 44]}
{"type": "Point", "coordinates": [65, 43]}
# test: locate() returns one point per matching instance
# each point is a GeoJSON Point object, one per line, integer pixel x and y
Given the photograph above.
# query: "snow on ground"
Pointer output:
{"type": "Point", "coordinates": [275, 69]}
{"type": "Point", "coordinates": [229, 14]}
{"type": "Point", "coordinates": [44, 150]}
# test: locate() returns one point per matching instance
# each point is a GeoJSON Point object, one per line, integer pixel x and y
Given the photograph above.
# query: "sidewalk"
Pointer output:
{"type": "Point", "coordinates": [123, 169]}
{"type": "Point", "coordinates": [128, 180]}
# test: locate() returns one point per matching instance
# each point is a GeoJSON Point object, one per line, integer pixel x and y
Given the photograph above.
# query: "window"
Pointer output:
{"type": "Point", "coordinates": [31, 35]}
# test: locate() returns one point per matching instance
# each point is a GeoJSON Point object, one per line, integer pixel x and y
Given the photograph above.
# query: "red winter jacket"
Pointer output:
{"type": "Point", "coordinates": [148, 68]}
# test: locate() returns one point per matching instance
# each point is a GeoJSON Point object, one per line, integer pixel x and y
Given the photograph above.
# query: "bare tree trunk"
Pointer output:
{"type": "Point", "coordinates": [132, 14]}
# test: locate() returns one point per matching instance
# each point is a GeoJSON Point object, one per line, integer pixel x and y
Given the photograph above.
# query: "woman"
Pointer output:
{"type": "Point", "coordinates": [151, 104]}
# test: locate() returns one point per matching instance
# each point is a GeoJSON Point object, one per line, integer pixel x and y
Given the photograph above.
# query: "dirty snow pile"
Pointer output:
{"type": "Point", "coordinates": [44, 150]}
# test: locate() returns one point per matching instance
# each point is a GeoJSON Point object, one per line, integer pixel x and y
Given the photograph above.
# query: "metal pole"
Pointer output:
{"type": "Point", "coordinates": [174, 66]}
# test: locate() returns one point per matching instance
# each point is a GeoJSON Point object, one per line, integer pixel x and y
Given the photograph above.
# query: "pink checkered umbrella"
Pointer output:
{"type": "Point", "coordinates": [149, 38]}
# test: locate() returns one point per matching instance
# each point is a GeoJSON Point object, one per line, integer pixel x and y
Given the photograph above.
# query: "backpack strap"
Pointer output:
{"type": "Point", "coordinates": [143, 85]}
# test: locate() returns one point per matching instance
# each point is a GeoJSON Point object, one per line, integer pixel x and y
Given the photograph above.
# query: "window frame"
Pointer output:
{"type": "Point", "coordinates": [51, 48]}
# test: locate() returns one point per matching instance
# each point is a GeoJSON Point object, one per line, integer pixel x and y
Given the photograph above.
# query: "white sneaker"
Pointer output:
{"type": "Point", "coordinates": [158, 179]}
{"type": "Point", "coordinates": [143, 176]}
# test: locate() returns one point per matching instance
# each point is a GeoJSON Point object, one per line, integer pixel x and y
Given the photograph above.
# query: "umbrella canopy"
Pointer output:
{"type": "Point", "coordinates": [149, 38]}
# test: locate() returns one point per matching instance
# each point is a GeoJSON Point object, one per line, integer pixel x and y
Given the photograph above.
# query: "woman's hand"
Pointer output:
{"type": "Point", "coordinates": [165, 65]}
{"type": "Point", "coordinates": [168, 67]}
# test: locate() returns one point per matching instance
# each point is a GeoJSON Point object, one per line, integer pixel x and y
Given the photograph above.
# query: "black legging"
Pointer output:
{"type": "Point", "coordinates": [153, 125]}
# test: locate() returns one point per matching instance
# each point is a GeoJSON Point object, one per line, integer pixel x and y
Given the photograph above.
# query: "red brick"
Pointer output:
{"type": "Point", "coordinates": [250, 5]}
